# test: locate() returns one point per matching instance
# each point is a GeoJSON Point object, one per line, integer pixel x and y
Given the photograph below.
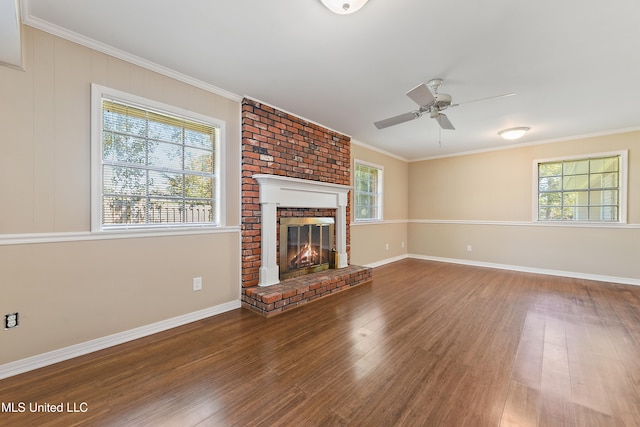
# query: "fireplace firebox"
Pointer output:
{"type": "Point", "coordinates": [306, 245]}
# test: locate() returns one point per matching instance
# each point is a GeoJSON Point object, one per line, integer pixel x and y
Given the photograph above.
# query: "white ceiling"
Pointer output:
{"type": "Point", "coordinates": [573, 64]}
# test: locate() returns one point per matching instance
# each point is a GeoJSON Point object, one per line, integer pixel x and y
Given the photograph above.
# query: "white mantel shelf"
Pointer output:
{"type": "Point", "coordinates": [280, 191]}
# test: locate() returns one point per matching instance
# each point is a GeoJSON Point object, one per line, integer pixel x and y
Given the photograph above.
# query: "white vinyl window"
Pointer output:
{"type": "Point", "coordinates": [367, 191]}
{"type": "Point", "coordinates": [582, 189]}
{"type": "Point", "coordinates": [153, 165]}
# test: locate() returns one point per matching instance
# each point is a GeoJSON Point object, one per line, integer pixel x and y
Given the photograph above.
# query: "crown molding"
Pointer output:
{"type": "Point", "coordinates": [533, 143]}
{"type": "Point", "coordinates": [74, 37]}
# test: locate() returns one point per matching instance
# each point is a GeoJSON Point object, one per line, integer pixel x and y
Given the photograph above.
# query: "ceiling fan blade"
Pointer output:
{"type": "Point", "coordinates": [444, 122]}
{"type": "Point", "coordinates": [504, 95]}
{"type": "Point", "coordinates": [396, 120]}
{"type": "Point", "coordinates": [421, 95]}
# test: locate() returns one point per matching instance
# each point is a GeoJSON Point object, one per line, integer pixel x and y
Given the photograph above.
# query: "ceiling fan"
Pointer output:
{"type": "Point", "coordinates": [431, 102]}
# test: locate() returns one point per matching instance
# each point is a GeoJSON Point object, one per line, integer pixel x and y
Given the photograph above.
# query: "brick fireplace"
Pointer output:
{"type": "Point", "coordinates": [299, 158]}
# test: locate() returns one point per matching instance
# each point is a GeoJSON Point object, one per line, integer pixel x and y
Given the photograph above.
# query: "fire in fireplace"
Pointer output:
{"type": "Point", "coordinates": [305, 245]}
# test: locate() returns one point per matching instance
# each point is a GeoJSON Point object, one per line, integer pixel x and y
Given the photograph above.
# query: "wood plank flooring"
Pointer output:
{"type": "Point", "coordinates": [426, 344]}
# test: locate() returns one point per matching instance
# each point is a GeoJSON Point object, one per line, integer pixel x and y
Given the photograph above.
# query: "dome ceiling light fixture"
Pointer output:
{"type": "Point", "coordinates": [344, 7]}
{"type": "Point", "coordinates": [513, 133]}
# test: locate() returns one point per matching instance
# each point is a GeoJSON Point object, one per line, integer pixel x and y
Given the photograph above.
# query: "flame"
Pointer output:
{"type": "Point", "coordinates": [305, 258]}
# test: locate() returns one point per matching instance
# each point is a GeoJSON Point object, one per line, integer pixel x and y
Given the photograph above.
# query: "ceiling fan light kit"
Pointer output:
{"type": "Point", "coordinates": [343, 7]}
{"type": "Point", "coordinates": [512, 134]}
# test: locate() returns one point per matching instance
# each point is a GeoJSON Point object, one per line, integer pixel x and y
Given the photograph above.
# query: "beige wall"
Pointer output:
{"type": "Point", "coordinates": [82, 288]}
{"type": "Point", "coordinates": [79, 289]}
{"type": "Point", "coordinates": [612, 253]}
{"type": "Point", "coordinates": [73, 292]}
{"type": "Point", "coordinates": [490, 186]}
{"type": "Point", "coordinates": [485, 200]}
{"type": "Point", "coordinates": [369, 240]}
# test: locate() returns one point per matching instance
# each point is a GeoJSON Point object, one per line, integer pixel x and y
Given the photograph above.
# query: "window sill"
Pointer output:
{"type": "Point", "coordinates": [582, 224]}
{"type": "Point", "coordinates": [619, 225]}
{"type": "Point", "coordinates": [35, 238]}
{"type": "Point", "coordinates": [150, 231]}
{"type": "Point", "coordinates": [367, 221]}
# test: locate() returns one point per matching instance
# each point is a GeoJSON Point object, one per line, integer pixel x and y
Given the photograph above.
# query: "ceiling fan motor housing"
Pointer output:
{"type": "Point", "coordinates": [431, 102]}
{"type": "Point", "coordinates": [443, 100]}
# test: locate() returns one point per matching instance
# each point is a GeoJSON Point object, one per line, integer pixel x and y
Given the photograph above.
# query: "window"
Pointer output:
{"type": "Point", "coordinates": [153, 165]}
{"type": "Point", "coordinates": [587, 189]}
{"type": "Point", "coordinates": [368, 192]}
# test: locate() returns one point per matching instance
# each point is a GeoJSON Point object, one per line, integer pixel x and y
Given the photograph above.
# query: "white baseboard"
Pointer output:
{"type": "Point", "coordinates": [387, 261]}
{"type": "Point", "coordinates": [55, 356]}
{"type": "Point", "coordinates": [597, 277]}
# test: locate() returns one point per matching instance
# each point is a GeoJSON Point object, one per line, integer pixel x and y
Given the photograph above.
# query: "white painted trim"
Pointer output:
{"type": "Point", "coordinates": [532, 143]}
{"type": "Point", "coordinates": [66, 353]}
{"type": "Point", "coordinates": [561, 273]}
{"type": "Point", "coordinates": [380, 206]}
{"type": "Point", "coordinates": [82, 40]}
{"type": "Point", "coordinates": [98, 94]}
{"type": "Point", "coordinates": [525, 223]}
{"type": "Point", "coordinates": [622, 180]}
{"type": "Point", "coordinates": [281, 191]}
{"type": "Point", "coordinates": [387, 261]}
{"type": "Point", "coordinates": [383, 222]}
{"type": "Point", "coordinates": [296, 115]}
{"type": "Point", "coordinates": [34, 238]}
{"type": "Point", "coordinates": [378, 150]}
{"type": "Point", "coordinates": [11, 46]}
{"type": "Point", "coordinates": [301, 193]}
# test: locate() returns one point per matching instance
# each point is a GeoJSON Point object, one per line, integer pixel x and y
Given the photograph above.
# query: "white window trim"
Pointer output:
{"type": "Point", "coordinates": [99, 92]}
{"type": "Point", "coordinates": [624, 154]}
{"type": "Point", "coordinates": [381, 192]}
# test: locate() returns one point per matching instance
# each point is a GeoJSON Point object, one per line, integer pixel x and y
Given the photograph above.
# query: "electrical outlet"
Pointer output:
{"type": "Point", "coordinates": [469, 248]}
{"type": "Point", "coordinates": [403, 244]}
{"type": "Point", "coordinates": [197, 283]}
{"type": "Point", "coordinates": [11, 321]}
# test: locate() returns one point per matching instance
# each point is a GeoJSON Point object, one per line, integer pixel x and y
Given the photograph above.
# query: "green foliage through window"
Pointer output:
{"type": "Point", "coordinates": [156, 168]}
{"type": "Point", "coordinates": [368, 192]}
{"type": "Point", "coordinates": [580, 190]}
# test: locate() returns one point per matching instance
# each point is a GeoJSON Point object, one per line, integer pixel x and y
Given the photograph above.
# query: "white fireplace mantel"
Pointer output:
{"type": "Point", "coordinates": [279, 191]}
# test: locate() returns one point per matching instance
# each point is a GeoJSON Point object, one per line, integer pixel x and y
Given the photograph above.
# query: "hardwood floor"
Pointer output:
{"type": "Point", "coordinates": [426, 344]}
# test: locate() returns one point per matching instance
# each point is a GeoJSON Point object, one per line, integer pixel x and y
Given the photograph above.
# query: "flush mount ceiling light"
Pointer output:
{"type": "Point", "coordinates": [513, 133]}
{"type": "Point", "coordinates": [343, 7]}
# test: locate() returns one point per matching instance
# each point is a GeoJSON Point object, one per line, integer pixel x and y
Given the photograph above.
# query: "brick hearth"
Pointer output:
{"type": "Point", "coordinates": [291, 293]}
